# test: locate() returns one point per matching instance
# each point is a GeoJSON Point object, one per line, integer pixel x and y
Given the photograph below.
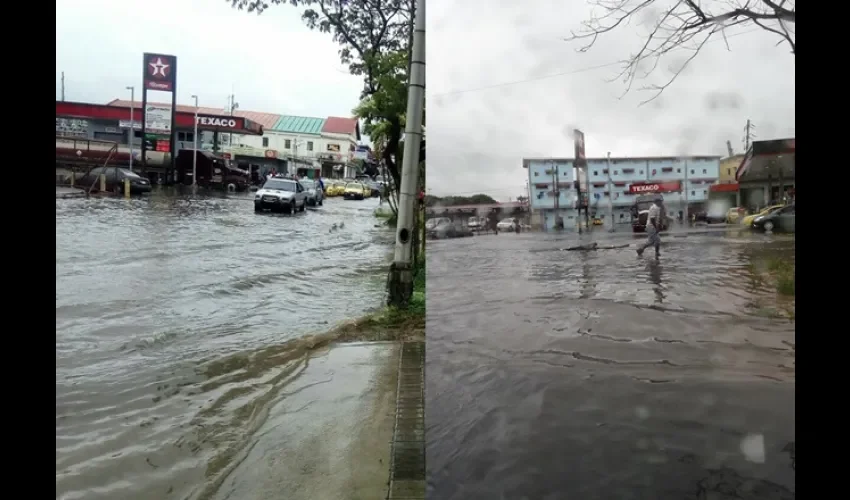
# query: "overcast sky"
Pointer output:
{"type": "Point", "coordinates": [272, 61]}
{"type": "Point", "coordinates": [477, 137]}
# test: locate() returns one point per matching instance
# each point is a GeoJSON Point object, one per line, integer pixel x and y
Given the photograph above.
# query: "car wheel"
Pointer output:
{"type": "Point", "coordinates": [304, 205]}
{"type": "Point", "coordinates": [768, 226]}
{"type": "Point", "coordinates": [322, 201]}
{"type": "Point", "coordinates": [290, 208]}
{"type": "Point", "coordinates": [258, 207]}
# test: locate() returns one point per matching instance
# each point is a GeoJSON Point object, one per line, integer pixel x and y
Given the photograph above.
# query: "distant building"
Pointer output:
{"type": "Point", "coordinates": [681, 180]}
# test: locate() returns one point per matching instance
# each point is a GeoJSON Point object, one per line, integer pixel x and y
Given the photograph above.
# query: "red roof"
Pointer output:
{"type": "Point", "coordinates": [337, 125]}
{"type": "Point", "coordinates": [267, 120]}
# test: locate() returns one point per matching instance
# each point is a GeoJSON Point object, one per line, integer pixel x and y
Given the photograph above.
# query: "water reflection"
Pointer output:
{"type": "Point", "coordinates": [595, 375]}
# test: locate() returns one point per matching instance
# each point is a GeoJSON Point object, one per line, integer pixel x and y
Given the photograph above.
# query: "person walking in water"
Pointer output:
{"type": "Point", "coordinates": [654, 223]}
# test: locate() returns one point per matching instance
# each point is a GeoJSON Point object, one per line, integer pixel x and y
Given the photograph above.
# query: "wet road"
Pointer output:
{"type": "Point", "coordinates": [601, 375]}
{"type": "Point", "coordinates": [180, 322]}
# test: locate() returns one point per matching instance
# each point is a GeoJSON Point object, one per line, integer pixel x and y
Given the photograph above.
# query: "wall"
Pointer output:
{"type": "Point", "coordinates": [727, 168]}
{"type": "Point", "coordinates": [277, 141]}
{"type": "Point", "coordinates": [541, 180]}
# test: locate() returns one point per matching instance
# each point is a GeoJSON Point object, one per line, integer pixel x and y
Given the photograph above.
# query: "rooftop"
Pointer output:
{"type": "Point", "coordinates": [299, 125]}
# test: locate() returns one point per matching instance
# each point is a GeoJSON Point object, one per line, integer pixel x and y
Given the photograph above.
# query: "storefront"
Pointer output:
{"type": "Point", "coordinates": [767, 173]}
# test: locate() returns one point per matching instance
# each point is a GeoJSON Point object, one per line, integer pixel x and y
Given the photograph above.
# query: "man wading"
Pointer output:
{"type": "Point", "coordinates": [653, 226]}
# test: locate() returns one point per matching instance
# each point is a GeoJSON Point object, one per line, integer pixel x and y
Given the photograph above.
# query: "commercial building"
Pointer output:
{"type": "Point", "coordinates": [272, 141]}
{"type": "Point", "coordinates": [616, 182]}
{"type": "Point", "coordinates": [767, 173]}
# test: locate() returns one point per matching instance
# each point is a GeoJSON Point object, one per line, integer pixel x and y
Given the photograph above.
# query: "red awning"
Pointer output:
{"type": "Point", "coordinates": [724, 188]}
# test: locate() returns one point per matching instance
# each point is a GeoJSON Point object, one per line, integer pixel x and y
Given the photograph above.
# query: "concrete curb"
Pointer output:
{"type": "Point", "coordinates": [407, 466]}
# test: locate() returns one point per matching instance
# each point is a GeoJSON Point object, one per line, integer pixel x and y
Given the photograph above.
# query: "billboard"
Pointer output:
{"type": "Point", "coordinates": [159, 73]}
{"type": "Point", "coordinates": [157, 119]}
{"type": "Point", "coordinates": [578, 140]}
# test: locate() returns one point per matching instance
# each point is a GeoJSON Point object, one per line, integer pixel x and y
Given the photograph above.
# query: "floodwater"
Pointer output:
{"type": "Point", "coordinates": [172, 321]}
{"type": "Point", "coordinates": [601, 375]}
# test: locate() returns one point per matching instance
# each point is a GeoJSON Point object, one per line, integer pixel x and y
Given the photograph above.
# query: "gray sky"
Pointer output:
{"type": "Point", "coordinates": [273, 62]}
{"type": "Point", "coordinates": [477, 137]}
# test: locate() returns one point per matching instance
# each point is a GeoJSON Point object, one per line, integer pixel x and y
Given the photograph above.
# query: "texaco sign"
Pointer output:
{"type": "Point", "coordinates": [160, 70]}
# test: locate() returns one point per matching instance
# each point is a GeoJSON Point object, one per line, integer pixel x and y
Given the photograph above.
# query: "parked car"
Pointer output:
{"type": "Point", "coordinates": [782, 220]}
{"type": "Point", "coordinates": [335, 188]}
{"type": "Point", "coordinates": [476, 223]}
{"type": "Point", "coordinates": [734, 214]}
{"type": "Point", "coordinates": [114, 180]}
{"type": "Point", "coordinates": [748, 220]}
{"type": "Point", "coordinates": [507, 224]}
{"type": "Point", "coordinates": [443, 227]}
{"type": "Point", "coordinates": [354, 191]}
{"type": "Point", "coordinates": [315, 196]}
{"type": "Point", "coordinates": [281, 195]}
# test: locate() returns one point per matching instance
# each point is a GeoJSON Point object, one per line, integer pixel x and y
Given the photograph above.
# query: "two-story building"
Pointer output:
{"type": "Point", "coordinates": [617, 182]}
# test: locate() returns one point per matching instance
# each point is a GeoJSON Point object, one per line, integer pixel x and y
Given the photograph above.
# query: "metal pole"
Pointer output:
{"type": "Point", "coordinates": [401, 275]}
{"type": "Point", "coordinates": [610, 190]}
{"type": "Point", "coordinates": [687, 217]}
{"type": "Point", "coordinates": [195, 154]}
{"type": "Point", "coordinates": [63, 86]}
{"type": "Point", "coordinates": [132, 133]}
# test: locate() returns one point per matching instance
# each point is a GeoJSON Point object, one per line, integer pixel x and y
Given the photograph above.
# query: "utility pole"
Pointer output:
{"type": "Point", "coordinates": [687, 217]}
{"type": "Point", "coordinates": [63, 86]}
{"type": "Point", "coordinates": [132, 133]}
{"type": "Point", "coordinates": [195, 152]}
{"type": "Point", "coordinates": [556, 191]}
{"type": "Point", "coordinates": [400, 285]}
{"type": "Point", "coordinates": [729, 148]}
{"type": "Point", "coordinates": [610, 191]}
{"type": "Point", "coordinates": [749, 134]}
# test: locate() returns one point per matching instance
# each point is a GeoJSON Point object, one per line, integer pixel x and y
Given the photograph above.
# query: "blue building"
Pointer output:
{"type": "Point", "coordinates": [681, 180]}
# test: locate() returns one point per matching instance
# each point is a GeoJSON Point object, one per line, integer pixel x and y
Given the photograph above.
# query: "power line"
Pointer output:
{"type": "Point", "coordinates": [563, 73]}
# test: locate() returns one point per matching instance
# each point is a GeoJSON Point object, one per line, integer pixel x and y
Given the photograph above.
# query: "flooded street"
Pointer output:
{"type": "Point", "coordinates": [179, 331]}
{"type": "Point", "coordinates": [601, 375]}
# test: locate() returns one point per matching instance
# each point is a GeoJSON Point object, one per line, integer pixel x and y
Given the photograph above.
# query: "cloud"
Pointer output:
{"type": "Point", "coordinates": [272, 62]}
{"type": "Point", "coordinates": [480, 124]}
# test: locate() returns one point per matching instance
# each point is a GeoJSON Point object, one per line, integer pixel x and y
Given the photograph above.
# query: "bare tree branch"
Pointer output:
{"type": "Point", "coordinates": [680, 25]}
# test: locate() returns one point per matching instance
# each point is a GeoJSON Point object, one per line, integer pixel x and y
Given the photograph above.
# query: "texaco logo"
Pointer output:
{"type": "Point", "coordinates": [159, 69]}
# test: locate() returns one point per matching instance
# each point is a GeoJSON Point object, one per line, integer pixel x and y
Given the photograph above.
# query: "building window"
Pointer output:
{"type": "Point", "coordinates": [693, 193]}
{"type": "Point", "coordinates": [595, 172]}
{"type": "Point", "coordinates": [704, 191]}
{"type": "Point", "coordinates": [641, 172]}
{"type": "Point", "coordinates": [309, 145]}
{"type": "Point", "coordinates": [265, 142]}
{"type": "Point", "coordinates": [287, 143]}
{"type": "Point", "coordinates": [605, 171]}
{"type": "Point", "coordinates": [184, 136]}
{"type": "Point", "coordinates": [536, 174]}
{"type": "Point", "coordinates": [704, 171]}
{"type": "Point", "coordinates": [692, 171]}
{"type": "Point", "coordinates": [678, 170]}
{"type": "Point", "coordinates": [628, 170]}
{"type": "Point", "coordinates": [667, 169]}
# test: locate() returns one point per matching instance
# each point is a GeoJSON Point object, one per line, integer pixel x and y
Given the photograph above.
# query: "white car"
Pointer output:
{"type": "Point", "coordinates": [315, 196]}
{"type": "Point", "coordinates": [506, 224]}
{"type": "Point", "coordinates": [281, 195]}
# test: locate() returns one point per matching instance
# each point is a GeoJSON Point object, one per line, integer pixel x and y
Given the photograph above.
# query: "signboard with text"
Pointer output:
{"type": "Point", "coordinates": [578, 141]}
{"type": "Point", "coordinates": [655, 187]}
{"type": "Point", "coordinates": [159, 73]}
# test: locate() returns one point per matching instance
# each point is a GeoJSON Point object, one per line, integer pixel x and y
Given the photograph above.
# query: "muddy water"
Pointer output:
{"type": "Point", "coordinates": [172, 321]}
{"type": "Point", "coordinates": [600, 375]}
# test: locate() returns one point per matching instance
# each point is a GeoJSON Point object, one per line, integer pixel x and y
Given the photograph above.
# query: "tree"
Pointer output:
{"type": "Point", "coordinates": [376, 38]}
{"type": "Point", "coordinates": [682, 24]}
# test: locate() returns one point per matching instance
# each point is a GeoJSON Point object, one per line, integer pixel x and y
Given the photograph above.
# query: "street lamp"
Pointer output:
{"type": "Point", "coordinates": [132, 133]}
{"type": "Point", "coordinates": [195, 154]}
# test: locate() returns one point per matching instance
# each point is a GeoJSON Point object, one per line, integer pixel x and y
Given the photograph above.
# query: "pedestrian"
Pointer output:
{"type": "Point", "coordinates": [654, 223]}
